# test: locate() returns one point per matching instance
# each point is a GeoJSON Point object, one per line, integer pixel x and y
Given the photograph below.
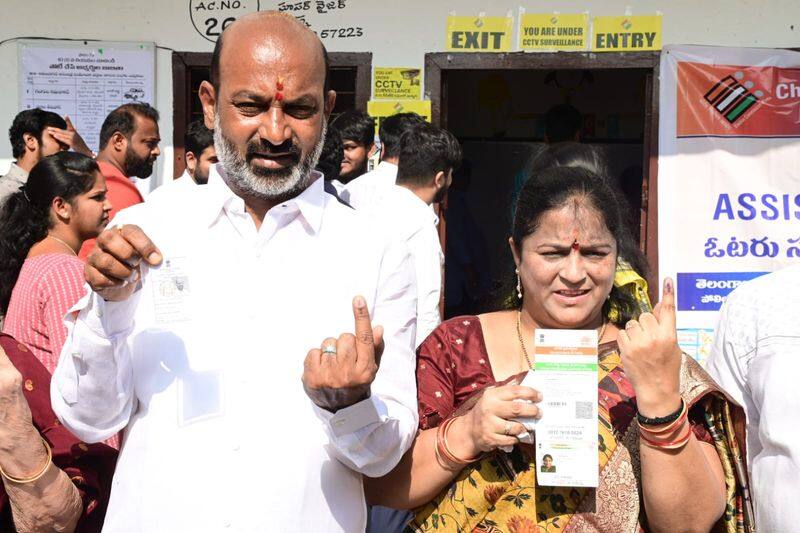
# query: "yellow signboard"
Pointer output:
{"type": "Point", "coordinates": [626, 34]}
{"type": "Point", "coordinates": [386, 108]}
{"type": "Point", "coordinates": [479, 34]}
{"type": "Point", "coordinates": [553, 32]}
{"type": "Point", "coordinates": [397, 83]}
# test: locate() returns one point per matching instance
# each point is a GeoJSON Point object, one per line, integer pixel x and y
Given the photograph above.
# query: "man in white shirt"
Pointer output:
{"type": "Point", "coordinates": [200, 351]}
{"type": "Point", "coordinates": [756, 359]}
{"type": "Point", "coordinates": [428, 156]}
{"type": "Point", "coordinates": [200, 155]}
{"type": "Point", "coordinates": [369, 188]}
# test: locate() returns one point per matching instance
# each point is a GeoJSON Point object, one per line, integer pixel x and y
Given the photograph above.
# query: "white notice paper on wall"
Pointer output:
{"type": "Point", "coordinates": [566, 435]}
{"type": "Point", "coordinates": [85, 81]}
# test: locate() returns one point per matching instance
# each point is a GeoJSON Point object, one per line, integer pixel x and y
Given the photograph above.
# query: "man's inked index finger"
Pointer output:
{"type": "Point", "coordinates": [365, 343]}
{"type": "Point", "coordinates": [141, 243]}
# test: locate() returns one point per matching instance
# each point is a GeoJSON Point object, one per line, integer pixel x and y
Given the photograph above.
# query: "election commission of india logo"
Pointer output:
{"type": "Point", "coordinates": [731, 97]}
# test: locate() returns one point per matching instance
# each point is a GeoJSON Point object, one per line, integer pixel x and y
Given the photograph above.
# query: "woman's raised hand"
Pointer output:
{"type": "Point", "coordinates": [651, 357]}
{"type": "Point", "coordinates": [491, 422]}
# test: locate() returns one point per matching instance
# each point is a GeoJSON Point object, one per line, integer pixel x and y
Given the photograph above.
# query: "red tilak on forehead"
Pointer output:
{"type": "Point", "coordinates": [279, 88]}
{"type": "Point", "coordinates": [575, 245]}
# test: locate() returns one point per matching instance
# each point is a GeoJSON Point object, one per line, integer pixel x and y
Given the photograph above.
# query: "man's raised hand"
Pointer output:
{"type": "Point", "coordinates": [112, 269]}
{"type": "Point", "coordinates": [341, 371]}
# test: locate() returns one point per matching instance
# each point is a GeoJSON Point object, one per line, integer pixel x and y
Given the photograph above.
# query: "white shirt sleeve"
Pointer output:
{"type": "Point", "coordinates": [92, 386]}
{"type": "Point", "coordinates": [426, 252]}
{"type": "Point", "coordinates": [732, 351]}
{"type": "Point", "coordinates": [371, 436]}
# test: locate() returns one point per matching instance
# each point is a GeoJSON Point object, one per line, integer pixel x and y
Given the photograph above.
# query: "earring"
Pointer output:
{"type": "Point", "coordinates": [519, 284]}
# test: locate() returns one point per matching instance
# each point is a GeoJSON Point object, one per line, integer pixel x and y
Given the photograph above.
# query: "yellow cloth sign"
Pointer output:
{"type": "Point", "coordinates": [387, 108]}
{"type": "Point", "coordinates": [626, 34]}
{"type": "Point", "coordinates": [479, 34]}
{"type": "Point", "coordinates": [397, 83]}
{"type": "Point", "coordinates": [548, 31]}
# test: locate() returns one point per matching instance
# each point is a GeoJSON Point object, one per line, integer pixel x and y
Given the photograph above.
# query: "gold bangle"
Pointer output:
{"type": "Point", "coordinates": [37, 476]}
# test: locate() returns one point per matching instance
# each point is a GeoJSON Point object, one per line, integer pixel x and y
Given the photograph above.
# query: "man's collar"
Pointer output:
{"type": "Point", "coordinates": [310, 203]}
{"type": "Point", "coordinates": [109, 170]}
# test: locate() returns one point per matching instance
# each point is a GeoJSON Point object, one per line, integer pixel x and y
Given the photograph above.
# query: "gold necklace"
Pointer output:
{"type": "Point", "coordinates": [62, 242]}
{"type": "Point", "coordinates": [522, 342]}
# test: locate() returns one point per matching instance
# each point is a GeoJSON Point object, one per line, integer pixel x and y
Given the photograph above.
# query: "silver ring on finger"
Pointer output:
{"type": "Point", "coordinates": [330, 349]}
{"type": "Point", "coordinates": [508, 428]}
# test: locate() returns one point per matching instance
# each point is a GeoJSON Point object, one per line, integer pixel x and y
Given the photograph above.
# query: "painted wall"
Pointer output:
{"type": "Point", "coordinates": [398, 34]}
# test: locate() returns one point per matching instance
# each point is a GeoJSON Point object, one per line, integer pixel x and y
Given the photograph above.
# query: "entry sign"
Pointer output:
{"type": "Point", "coordinates": [626, 34]}
{"type": "Point", "coordinates": [549, 31]}
{"type": "Point", "coordinates": [397, 83]}
{"type": "Point", "coordinates": [479, 34]}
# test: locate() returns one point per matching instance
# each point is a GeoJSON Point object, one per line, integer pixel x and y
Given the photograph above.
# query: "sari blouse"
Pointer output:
{"type": "Point", "coordinates": [453, 366]}
{"type": "Point", "coordinates": [89, 466]}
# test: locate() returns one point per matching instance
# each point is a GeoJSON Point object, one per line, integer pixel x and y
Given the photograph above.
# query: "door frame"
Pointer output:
{"type": "Point", "coordinates": [437, 66]}
{"type": "Point", "coordinates": [182, 63]}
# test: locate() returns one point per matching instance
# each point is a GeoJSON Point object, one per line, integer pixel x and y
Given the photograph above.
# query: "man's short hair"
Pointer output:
{"type": "Point", "coordinates": [424, 151]}
{"type": "Point", "coordinates": [197, 138]}
{"type": "Point", "coordinates": [32, 122]}
{"type": "Point", "coordinates": [562, 123]}
{"type": "Point", "coordinates": [392, 128]}
{"type": "Point", "coordinates": [218, 52]}
{"type": "Point", "coordinates": [123, 120]}
{"type": "Point", "coordinates": [356, 126]}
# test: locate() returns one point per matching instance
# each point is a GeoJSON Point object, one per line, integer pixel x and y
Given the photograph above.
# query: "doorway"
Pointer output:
{"type": "Point", "coordinates": [350, 75]}
{"type": "Point", "coordinates": [495, 104]}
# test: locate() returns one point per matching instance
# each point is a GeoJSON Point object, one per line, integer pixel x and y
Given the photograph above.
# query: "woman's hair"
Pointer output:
{"type": "Point", "coordinates": [569, 154]}
{"type": "Point", "coordinates": [25, 215]}
{"type": "Point", "coordinates": [552, 188]}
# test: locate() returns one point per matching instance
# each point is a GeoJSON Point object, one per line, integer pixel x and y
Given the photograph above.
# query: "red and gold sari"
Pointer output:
{"type": "Point", "coordinates": [499, 492]}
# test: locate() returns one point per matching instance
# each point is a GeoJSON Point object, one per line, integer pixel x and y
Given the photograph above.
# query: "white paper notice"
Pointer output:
{"type": "Point", "coordinates": [566, 435]}
{"type": "Point", "coordinates": [85, 81]}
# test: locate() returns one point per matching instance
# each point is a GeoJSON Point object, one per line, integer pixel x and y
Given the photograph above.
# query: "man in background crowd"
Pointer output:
{"type": "Point", "coordinates": [370, 187]}
{"type": "Point", "coordinates": [428, 155]}
{"type": "Point", "coordinates": [35, 134]}
{"type": "Point", "coordinates": [199, 154]}
{"type": "Point", "coordinates": [128, 148]}
{"type": "Point", "coordinates": [562, 123]}
{"type": "Point", "coordinates": [357, 130]}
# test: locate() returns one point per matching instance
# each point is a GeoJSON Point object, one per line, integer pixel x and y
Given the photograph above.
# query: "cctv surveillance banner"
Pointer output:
{"type": "Point", "coordinates": [728, 174]}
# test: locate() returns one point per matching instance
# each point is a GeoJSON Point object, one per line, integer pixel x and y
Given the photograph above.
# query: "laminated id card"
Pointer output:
{"type": "Point", "coordinates": [566, 435]}
{"type": "Point", "coordinates": [171, 291]}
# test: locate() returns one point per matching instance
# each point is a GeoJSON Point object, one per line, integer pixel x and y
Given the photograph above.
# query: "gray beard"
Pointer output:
{"type": "Point", "coordinates": [272, 186]}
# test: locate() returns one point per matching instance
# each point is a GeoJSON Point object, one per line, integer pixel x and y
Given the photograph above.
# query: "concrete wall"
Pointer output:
{"type": "Point", "coordinates": [397, 33]}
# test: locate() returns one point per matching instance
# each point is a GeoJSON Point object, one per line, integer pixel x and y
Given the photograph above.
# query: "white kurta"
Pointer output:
{"type": "Point", "coordinates": [756, 359]}
{"type": "Point", "coordinates": [202, 367]}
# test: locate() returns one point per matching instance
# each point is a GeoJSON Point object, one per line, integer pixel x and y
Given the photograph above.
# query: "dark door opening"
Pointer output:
{"type": "Point", "coordinates": [350, 76]}
{"type": "Point", "coordinates": [496, 107]}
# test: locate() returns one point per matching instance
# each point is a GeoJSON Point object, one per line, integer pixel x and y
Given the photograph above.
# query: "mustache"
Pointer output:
{"type": "Point", "coordinates": [286, 148]}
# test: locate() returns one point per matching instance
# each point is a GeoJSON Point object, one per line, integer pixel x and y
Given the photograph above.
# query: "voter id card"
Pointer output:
{"type": "Point", "coordinates": [566, 435]}
{"type": "Point", "coordinates": [171, 291]}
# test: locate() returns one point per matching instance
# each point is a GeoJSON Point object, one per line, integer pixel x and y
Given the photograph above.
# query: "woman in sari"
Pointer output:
{"type": "Point", "coordinates": [50, 480]}
{"type": "Point", "coordinates": [676, 468]}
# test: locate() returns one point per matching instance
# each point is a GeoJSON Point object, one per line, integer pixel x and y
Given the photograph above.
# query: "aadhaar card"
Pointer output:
{"type": "Point", "coordinates": [567, 434]}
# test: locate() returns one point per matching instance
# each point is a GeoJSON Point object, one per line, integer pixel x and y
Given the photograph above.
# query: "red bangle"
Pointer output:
{"type": "Point", "coordinates": [443, 451]}
{"type": "Point", "coordinates": [668, 445]}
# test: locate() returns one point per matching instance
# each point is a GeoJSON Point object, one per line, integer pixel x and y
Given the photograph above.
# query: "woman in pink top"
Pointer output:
{"type": "Point", "coordinates": [42, 228]}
